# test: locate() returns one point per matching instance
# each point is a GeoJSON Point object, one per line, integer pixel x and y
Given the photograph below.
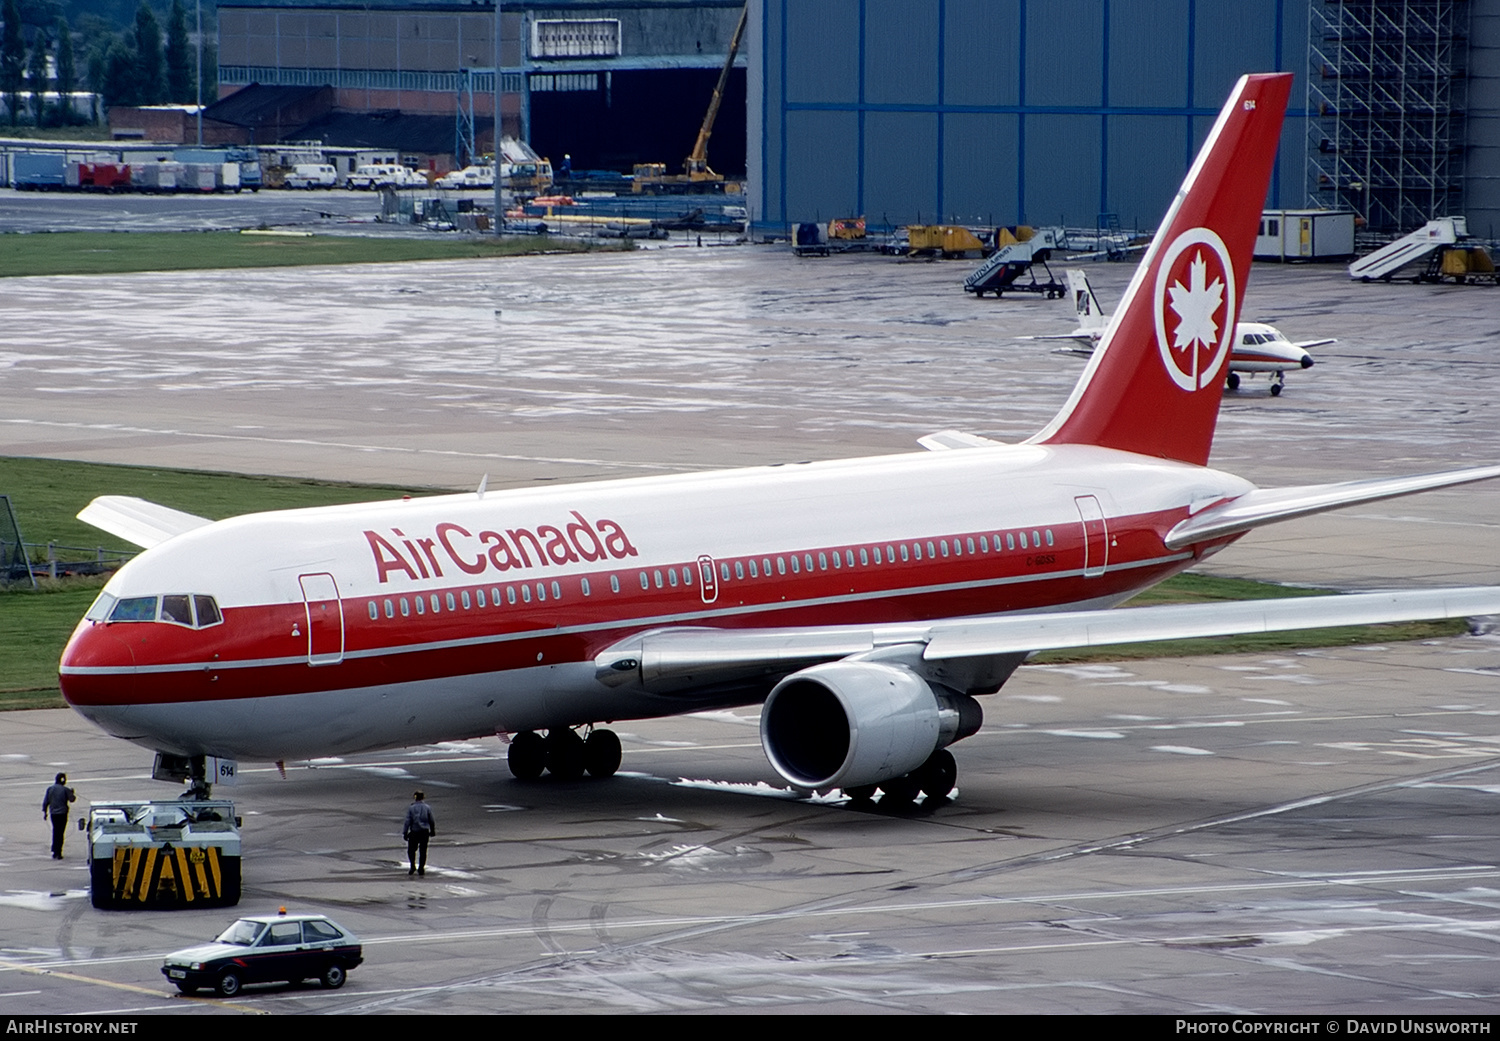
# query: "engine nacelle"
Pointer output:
{"type": "Point", "coordinates": [849, 723]}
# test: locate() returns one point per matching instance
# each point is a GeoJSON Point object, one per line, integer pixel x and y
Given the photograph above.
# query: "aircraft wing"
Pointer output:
{"type": "Point", "coordinates": [137, 521]}
{"type": "Point", "coordinates": [1267, 505]}
{"type": "Point", "coordinates": [1308, 345]}
{"type": "Point", "coordinates": [668, 660]}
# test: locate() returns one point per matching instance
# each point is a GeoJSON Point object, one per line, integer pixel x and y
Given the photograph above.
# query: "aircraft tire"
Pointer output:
{"type": "Point", "coordinates": [527, 757]}
{"type": "Point", "coordinates": [899, 791]}
{"type": "Point", "coordinates": [1275, 390]}
{"type": "Point", "coordinates": [601, 753]}
{"type": "Point", "coordinates": [938, 775]}
{"type": "Point", "coordinates": [565, 754]}
{"type": "Point", "coordinates": [1233, 381]}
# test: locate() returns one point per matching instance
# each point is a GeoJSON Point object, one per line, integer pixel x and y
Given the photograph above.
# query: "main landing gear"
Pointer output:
{"type": "Point", "coordinates": [565, 754]}
{"type": "Point", "coordinates": [1278, 381]}
{"type": "Point", "coordinates": [933, 779]}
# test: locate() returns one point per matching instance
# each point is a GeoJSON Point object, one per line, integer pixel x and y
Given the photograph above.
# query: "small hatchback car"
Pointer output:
{"type": "Point", "coordinates": [267, 949]}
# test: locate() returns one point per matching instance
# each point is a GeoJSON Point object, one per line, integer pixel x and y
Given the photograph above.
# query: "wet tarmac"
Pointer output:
{"type": "Point", "coordinates": [1314, 832]}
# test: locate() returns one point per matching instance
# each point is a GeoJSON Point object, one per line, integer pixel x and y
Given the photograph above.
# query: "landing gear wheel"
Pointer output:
{"type": "Point", "coordinates": [1276, 390]}
{"type": "Point", "coordinates": [899, 791]}
{"type": "Point", "coordinates": [601, 753]}
{"type": "Point", "coordinates": [861, 793]}
{"type": "Point", "coordinates": [333, 977]}
{"type": "Point", "coordinates": [1232, 381]}
{"type": "Point", "coordinates": [565, 754]}
{"type": "Point", "coordinates": [938, 775]}
{"type": "Point", "coordinates": [527, 756]}
{"type": "Point", "coordinates": [228, 985]}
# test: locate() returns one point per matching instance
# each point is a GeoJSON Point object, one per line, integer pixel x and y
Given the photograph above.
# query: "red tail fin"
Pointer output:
{"type": "Point", "coordinates": [1153, 385]}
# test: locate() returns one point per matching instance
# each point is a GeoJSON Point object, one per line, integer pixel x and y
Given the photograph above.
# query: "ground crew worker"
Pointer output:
{"type": "Point", "coordinates": [420, 826]}
{"type": "Point", "coordinates": [55, 806]}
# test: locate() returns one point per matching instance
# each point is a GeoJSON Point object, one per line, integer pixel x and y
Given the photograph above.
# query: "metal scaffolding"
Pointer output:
{"type": "Point", "coordinates": [1385, 100]}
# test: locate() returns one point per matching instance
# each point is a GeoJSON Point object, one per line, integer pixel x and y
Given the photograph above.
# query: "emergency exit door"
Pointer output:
{"type": "Point", "coordinates": [325, 619]}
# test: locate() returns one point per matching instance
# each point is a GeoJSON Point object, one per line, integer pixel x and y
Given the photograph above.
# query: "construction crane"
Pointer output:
{"type": "Point", "coordinates": [696, 174]}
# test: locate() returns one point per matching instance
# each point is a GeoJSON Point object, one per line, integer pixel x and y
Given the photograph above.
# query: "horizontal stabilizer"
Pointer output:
{"type": "Point", "coordinates": [1075, 629]}
{"type": "Point", "coordinates": [946, 439]}
{"type": "Point", "coordinates": [137, 521]}
{"type": "Point", "coordinates": [1267, 505]}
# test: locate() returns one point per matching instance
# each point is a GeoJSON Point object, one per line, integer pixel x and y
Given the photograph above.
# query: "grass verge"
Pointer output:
{"type": "Point", "coordinates": [47, 494]}
{"type": "Point", "coordinates": [105, 253]}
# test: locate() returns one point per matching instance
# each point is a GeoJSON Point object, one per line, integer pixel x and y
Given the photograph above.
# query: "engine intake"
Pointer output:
{"type": "Point", "coordinates": [849, 723]}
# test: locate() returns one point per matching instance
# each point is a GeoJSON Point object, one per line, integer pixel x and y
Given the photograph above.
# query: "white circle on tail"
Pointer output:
{"type": "Point", "coordinates": [1194, 303]}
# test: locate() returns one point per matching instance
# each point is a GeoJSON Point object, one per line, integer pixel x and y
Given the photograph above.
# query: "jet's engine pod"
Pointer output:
{"type": "Point", "coordinates": [850, 723]}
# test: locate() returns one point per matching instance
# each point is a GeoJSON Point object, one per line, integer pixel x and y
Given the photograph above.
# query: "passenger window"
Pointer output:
{"type": "Point", "coordinates": [659, 579]}
{"type": "Point", "coordinates": [672, 575]}
{"type": "Point", "coordinates": [754, 572]}
{"type": "Point", "coordinates": [796, 565]}
{"type": "Point", "coordinates": [931, 552]}
{"type": "Point", "coordinates": [557, 590]}
{"type": "Point", "coordinates": [452, 604]}
{"type": "Point", "coordinates": [864, 558]}
{"type": "Point", "coordinates": [479, 596]}
{"type": "Point", "coordinates": [390, 609]}
{"type": "Point", "coordinates": [541, 591]}
{"type": "Point", "coordinates": [208, 610]}
{"type": "Point", "coordinates": [905, 553]}
{"type": "Point", "coordinates": [1036, 538]}
{"type": "Point", "coordinates": [971, 543]}
{"type": "Point", "coordinates": [723, 572]}
{"type": "Point", "coordinates": [526, 594]}
{"type": "Point", "coordinates": [585, 586]}
{"type": "Point", "coordinates": [374, 612]}
{"type": "Point", "coordinates": [822, 562]}
{"type": "Point", "coordinates": [495, 595]}
{"type": "Point", "coordinates": [510, 594]}
{"type": "Point", "coordinates": [890, 553]}
{"type": "Point", "coordinates": [944, 544]}
{"type": "Point", "coordinates": [765, 566]}
{"type": "Point", "coordinates": [739, 571]}
{"type": "Point", "coordinates": [421, 606]}
{"type": "Point", "coordinates": [465, 596]}
{"type": "Point", "coordinates": [687, 574]}
{"type": "Point", "coordinates": [177, 609]}
{"type": "Point", "coordinates": [1049, 536]}
{"type": "Point", "coordinates": [781, 565]}
{"type": "Point", "coordinates": [849, 557]}
{"type": "Point", "coordinates": [406, 608]}
{"type": "Point", "coordinates": [984, 544]}
{"type": "Point", "coordinates": [838, 561]}
{"type": "Point", "coordinates": [1010, 540]}
{"type": "Point", "coordinates": [614, 583]}
{"type": "Point", "coordinates": [1023, 540]}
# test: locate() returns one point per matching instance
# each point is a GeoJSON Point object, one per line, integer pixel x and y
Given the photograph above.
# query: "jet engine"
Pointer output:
{"type": "Point", "coordinates": [847, 724]}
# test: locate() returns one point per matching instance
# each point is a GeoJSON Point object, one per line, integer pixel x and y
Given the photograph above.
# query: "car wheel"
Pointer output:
{"type": "Point", "coordinates": [333, 977]}
{"type": "Point", "coordinates": [229, 985]}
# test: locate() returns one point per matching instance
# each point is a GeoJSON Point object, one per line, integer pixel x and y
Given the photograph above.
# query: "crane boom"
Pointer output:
{"type": "Point", "coordinates": [696, 164]}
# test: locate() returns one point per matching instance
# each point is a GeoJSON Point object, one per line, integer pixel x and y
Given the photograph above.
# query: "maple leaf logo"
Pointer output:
{"type": "Point", "coordinates": [1195, 304]}
{"type": "Point", "coordinates": [1195, 349]}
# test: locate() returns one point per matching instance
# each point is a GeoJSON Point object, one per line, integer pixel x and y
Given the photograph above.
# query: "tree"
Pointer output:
{"type": "Point", "coordinates": [151, 81]}
{"type": "Point", "coordinates": [12, 57]}
{"type": "Point", "coordinates": [180, 82]}
{"type": "Point", "coordinates": [118, 81]}
{"type": "Point", "coordinates": [37, 76]}
{"type": "Point", "coordinates": [67, 73]}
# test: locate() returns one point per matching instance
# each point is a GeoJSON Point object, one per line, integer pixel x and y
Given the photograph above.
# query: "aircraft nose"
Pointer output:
{"type": "Point", "coordinates": [97, 667]}
{"type": "Point", "coordinates": [1307, 361]}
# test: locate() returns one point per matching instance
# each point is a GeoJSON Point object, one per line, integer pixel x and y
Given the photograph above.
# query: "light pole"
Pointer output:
{"type": "Point", "coordinates": [495, 133]}
{"type": "Point", "coordinates": [200, 73]}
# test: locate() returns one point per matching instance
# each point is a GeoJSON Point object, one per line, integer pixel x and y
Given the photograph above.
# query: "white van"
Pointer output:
{"type": "Point", "coordinates": [312, 175]}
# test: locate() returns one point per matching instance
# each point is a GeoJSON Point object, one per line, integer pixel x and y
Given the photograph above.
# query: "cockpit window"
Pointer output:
{"type": "Point", "coordinates": [177, 608]}
{"type": "Point", "coordinates": [208, 611]}
{"type": "Point", "coordinates": [134, 609]}
{"type": "Point", "coordinates": [103, 604]}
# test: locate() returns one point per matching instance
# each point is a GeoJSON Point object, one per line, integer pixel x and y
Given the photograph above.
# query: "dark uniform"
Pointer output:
{"type": "Point", "coordinates": [55, 806]}
{"type": "Point", "coordinates": [420, 826]}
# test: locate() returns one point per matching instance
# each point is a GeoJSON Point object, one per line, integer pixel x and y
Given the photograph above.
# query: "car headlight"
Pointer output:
{"type": "Point", "coordinates": [195, 966]}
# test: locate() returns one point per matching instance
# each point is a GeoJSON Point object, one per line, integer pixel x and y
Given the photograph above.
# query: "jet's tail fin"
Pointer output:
{"type": "Point", "coordinates": [1154, 384]}
{"type": "Point", "coordinates": [1091, 314]}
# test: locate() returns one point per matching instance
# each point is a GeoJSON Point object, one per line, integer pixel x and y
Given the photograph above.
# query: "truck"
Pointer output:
{"type": "Point", "coordinates": [163, 853]}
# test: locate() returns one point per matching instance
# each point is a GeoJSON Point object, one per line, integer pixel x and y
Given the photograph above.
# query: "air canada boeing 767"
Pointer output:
{"type": "Point", "coordinates": [869, 603]}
